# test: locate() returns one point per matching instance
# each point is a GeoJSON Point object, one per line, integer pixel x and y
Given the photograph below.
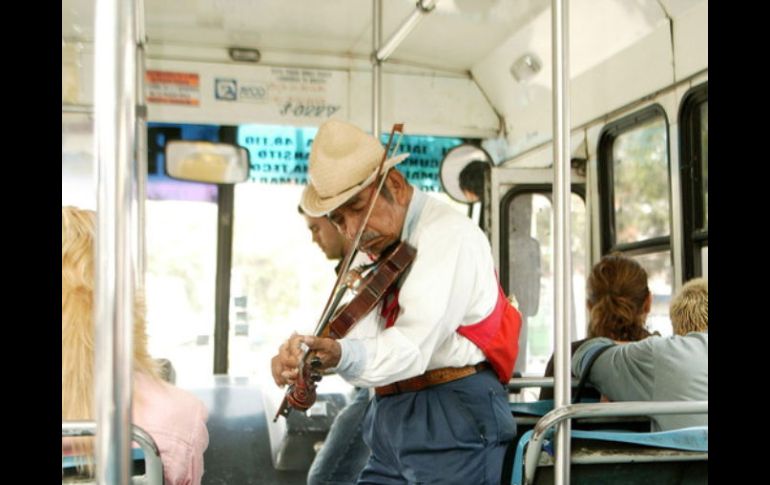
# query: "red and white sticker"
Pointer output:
{"type": "Point", "coordinates": [167, 87]}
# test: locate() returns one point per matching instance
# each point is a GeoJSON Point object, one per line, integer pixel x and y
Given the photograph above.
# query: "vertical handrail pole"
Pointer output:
{"type": "Point", "coordinates": [140, 172]}
{"type": "Point", "coordinates": [562, 249]}
{"type": "Point", "coordinates": [376, 68]}
{"type": "Point", "coordinates": [114, 109]}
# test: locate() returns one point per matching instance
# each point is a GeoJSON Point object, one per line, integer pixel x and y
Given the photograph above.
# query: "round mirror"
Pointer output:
{"type": "Point", "coordinates": [463, 170]}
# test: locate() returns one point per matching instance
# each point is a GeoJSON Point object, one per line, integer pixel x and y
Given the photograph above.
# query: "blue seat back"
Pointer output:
{"type": "Point", "coordinates": [685, 439]}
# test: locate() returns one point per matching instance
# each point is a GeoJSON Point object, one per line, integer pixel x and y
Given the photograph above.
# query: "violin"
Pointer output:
{"type": "Point", "coordinates": [370, 289]}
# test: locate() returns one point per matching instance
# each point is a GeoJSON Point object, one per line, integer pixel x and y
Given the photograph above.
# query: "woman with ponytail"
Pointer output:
{"type": "Point", "coordinates": [618, 303]}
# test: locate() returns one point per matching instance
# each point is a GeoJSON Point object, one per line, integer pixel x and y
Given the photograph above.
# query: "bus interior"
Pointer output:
{"type": "Point", "coordinates": [230, 270]}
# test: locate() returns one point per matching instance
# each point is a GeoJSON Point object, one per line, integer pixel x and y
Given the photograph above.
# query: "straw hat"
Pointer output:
{"type": "Point", "coordinates": [343, 161]}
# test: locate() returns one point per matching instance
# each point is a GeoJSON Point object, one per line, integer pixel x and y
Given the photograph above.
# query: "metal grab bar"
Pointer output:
{"type": "Point", "coordinates": [524, 382]}
{"type": "Point", "coordinates": [153, 466]}
{"type": "Point", "coordinates": [629, 408]}
{"type": "Point", "coordinates": [385, 49]}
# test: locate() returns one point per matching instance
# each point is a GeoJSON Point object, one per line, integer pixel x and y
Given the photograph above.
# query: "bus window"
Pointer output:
{"type": "Point", "coordinates": [181, 268]}
{"type": "Point", "coordinates": [660, 279]}
{"type": "Point", "coordinates": [281, 278]}
{"type": "Point", "coordinates": [530, 276]}
{"type": "Point", "coordinates": [694, 123]}
{"type": "Point", "coordinates": [181, 233]}
{"type": "Point", "coordinates": [640, 183]}
{"type": "Point", "coordinates": [635, 202]}
{"type": "Point", "coordinates": [77, 161]}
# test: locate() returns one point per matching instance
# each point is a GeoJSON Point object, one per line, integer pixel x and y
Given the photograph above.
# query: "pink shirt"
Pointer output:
{"type": "Point", "coordinates": [176, 420]}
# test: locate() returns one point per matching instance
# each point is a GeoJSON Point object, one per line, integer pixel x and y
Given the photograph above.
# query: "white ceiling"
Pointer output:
{"type": "Point", "coordinates": [476, 39]}
{"type": "Point", "coordinates": [455, 36]}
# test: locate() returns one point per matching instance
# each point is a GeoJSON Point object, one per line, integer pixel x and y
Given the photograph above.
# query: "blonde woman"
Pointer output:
{"type": "Point", "coordinates": [689, 309]}
{"type": "Point", "coordinates": [175, 419]}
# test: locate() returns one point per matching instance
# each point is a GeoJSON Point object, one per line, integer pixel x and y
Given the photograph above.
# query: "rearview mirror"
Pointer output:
{"type": "Point", "coordinates": [472, 164]}
{"type": "Point", "coordinates": [204, 161]}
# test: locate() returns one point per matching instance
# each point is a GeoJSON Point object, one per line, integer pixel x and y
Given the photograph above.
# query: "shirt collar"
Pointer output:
{"type": "Point", "coordinates": [413, 212]}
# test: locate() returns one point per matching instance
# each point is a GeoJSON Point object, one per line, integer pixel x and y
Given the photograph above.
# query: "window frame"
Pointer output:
{"type": "Point", "coordinates": [578, 189]}
{"type": "Point", "coordinates": [605, 164]}
{"type": "Point", "coordinates": [695, 237]}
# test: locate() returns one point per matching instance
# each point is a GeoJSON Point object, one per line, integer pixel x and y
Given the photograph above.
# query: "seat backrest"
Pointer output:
{"type": "Point", "coordinates": [688, 446]}
{"type": "Point", "coordinates": [651, 457]}
{"type": "Point", "coordinates": [527, 415]}
{"type": "Point", "coordinates": [148, 453]}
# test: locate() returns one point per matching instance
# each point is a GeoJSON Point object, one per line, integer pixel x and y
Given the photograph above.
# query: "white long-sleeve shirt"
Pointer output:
{"type": "Point", "coordinates": [451, 282]}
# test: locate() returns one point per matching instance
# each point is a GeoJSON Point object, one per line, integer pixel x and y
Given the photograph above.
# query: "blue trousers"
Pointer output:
{"type": "Point", "coordinates": [453, 433]}
{"type": "Point", "coordinates": [344, 452]}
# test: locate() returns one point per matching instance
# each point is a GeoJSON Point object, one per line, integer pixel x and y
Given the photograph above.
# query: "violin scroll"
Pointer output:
{"type": "Point", "coordinates": [301, 395]}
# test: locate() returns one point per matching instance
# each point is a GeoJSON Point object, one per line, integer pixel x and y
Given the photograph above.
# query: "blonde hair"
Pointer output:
{"type": "Point", "coordinates": [77, 325]}
{"type": "Point", "coordinates": [617, 292]}
{"type": "Point", "coordinates": [689, 309]}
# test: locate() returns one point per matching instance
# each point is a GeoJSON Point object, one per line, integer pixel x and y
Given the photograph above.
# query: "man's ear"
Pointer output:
{"type": "Point", "coordinates": [398, 187]}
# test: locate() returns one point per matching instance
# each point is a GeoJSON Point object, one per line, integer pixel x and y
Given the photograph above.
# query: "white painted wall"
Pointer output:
{"type": "Point", "coordinates": [620, 52]}
{"type": "Point", "coordinates": [691, 40]}
{"type": "Point", "coordinates": [269, 95]}
{"type": "Point", "coordinates": [77, 73]}
{"type": "Point", "coordinates": [428, 104]}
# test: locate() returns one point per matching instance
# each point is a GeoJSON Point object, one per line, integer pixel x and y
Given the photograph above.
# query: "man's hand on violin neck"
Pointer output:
{"type": "Point", "coordinates": [326, 349]}
{"type": "Point", "coordinates": [284, 365]}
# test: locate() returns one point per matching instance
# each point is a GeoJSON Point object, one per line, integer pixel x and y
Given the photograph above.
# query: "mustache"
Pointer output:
{"type": "Point", "coordinates": [368, 236]}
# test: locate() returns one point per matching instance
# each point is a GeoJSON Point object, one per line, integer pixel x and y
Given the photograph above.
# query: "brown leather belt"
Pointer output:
{"type": "Point", "coordinates": [431, 378]}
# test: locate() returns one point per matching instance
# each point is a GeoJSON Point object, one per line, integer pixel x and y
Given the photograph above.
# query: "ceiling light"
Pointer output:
{"type": "Point", "coordinates": [244, 55]}
{"type": "Point", "coordinates": [525, 67]}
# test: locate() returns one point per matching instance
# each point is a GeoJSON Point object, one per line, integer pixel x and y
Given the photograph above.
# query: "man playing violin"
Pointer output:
{"type": "Point", "coordinates": [442, 340]}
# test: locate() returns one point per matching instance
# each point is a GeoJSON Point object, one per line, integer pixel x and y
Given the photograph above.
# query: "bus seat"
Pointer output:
{"type": "Point", "coordinates": [676, 456]}
{"type": "Point", "coordinates": [527, 414]}
{"type": "Point", "coordinates": [531, 408]}
{"type": "Point", "coordinates": [70, 474]}
{"type": "Point", "coordinates": [147, 466]}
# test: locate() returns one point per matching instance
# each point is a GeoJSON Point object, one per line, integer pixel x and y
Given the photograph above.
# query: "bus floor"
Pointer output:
{"type": "Point", "coordinates": [239, 446]}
